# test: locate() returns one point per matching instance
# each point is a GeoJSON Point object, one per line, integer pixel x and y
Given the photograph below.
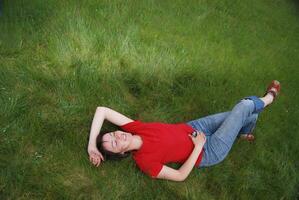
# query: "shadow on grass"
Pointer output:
{"type": "Point", "coordinates": [296, 3]}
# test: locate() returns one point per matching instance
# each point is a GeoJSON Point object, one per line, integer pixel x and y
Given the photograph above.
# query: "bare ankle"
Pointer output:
{"type": "Point", "coordinates": [267, 99]}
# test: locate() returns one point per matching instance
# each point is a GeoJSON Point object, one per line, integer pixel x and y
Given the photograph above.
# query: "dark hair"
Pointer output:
{"type": "Point", "coordinates": [108, 155]}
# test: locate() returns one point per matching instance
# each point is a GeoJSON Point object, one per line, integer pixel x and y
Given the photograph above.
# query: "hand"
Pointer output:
{"type": "Point", "coordinates": [95, 157]}
{"type": "Point", "coordinates": [199, 140]}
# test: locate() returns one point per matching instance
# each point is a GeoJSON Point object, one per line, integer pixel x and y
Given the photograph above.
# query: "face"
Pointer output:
{"type": "Point", "coordinates": [117, 141]}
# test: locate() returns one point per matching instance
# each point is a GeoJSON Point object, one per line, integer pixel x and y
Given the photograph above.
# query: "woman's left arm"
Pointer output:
{"type": "Point", "coordinates": [100, 115]}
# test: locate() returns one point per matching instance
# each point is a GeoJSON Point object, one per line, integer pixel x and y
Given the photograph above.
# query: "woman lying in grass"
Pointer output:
{"type": "Point", "coordinates": [202, 142]}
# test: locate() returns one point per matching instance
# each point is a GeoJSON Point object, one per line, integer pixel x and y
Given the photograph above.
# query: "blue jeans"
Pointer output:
{"type": "Point", "coordinates": [222, 129]}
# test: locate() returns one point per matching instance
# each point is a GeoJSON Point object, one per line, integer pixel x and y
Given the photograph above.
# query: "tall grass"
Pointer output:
{"type": "Point", "coordinates": [168, 61]}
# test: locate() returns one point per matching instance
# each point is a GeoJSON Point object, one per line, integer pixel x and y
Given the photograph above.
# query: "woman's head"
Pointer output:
{"type": "Point", "coordinates": [115, 145]}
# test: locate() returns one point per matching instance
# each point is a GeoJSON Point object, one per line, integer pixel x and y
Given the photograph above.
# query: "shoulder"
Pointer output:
{"type": "Point", "coordinates": [130, 126]}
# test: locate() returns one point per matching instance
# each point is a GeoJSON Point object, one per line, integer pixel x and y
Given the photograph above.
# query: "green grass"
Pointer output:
{"type": "Point", "coordinates": [169, 61]}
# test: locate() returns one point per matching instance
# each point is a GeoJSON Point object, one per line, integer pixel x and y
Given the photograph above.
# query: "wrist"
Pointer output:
{"type": "Point", "coordinates": [91, 144]}
{"type": "Point", "coordinates": [198, 146]}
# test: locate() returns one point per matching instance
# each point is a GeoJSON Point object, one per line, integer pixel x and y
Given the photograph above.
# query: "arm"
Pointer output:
{"type": "Point", "coordinates": [182, 173]}
{"type": "Point", "coordinates": [100, 115]}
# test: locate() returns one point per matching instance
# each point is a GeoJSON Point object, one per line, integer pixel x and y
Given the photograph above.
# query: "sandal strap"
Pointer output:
{"type": "Point", "coordinates": [274, 94]}
{"type": "Point", "coordinates": [273, 88]}
{"type": "Point", "coordinates": [249, 137]}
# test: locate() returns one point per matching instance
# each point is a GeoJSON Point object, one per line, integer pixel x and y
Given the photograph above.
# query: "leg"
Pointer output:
{"type": "Point", "coordinates": [211, 123]}
{"type": "Point", "coordinates": [220, 142]}
{"type": "Point", "coordinates": [249, 124]}
{"type": "Point", "coordinates": [241, 118]}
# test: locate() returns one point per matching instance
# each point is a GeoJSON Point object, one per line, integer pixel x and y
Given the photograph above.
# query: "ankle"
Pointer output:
{"type": "Point", "coordinates": [270, 96]}
{"type": "Point", "coordinates": [267, 99]}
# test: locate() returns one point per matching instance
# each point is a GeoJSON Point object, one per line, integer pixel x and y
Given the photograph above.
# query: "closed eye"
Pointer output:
{"type": "Point", "coordinates": [113, 142]}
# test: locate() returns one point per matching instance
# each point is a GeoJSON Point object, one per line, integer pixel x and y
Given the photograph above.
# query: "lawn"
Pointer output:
{"type": "Point", "coordinates": [168, 61]}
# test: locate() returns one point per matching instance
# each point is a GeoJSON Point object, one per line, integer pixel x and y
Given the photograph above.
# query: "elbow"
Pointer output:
{"type": "Point", "coordinates": [179, 179]}
{"type": "Point", "coordinates": [182, 177]}
{"type": "Point", "coordinates": [101, 108]}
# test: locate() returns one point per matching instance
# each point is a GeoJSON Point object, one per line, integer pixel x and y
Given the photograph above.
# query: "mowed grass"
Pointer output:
{"type": "Point", "coordinates": [168, 61]}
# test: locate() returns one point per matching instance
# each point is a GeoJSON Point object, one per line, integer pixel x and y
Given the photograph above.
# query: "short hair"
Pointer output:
{"type": "Point", "coordinates": [108, 155]}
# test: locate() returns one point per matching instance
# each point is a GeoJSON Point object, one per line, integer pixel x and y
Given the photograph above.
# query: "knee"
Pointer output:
{"type": "Point", "coordinates": [244, 106]}
{"type": "Point", "coordinates": [246, 103]}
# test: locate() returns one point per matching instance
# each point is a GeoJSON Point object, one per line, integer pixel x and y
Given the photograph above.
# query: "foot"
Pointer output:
{"type": "Point", "coordinates": [271, 93]}
{"type": "Point", "coordinates": [273, 89]}
{"type": "Point", "coordinates": [249, 137]}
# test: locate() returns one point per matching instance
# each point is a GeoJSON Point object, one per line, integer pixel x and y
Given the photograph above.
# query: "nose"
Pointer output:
{"type": "Point", "coordinates": [117, 136]}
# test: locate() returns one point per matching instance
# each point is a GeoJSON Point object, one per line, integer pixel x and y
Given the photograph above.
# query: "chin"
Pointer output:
{"type": "Point", "coordinates": [129, 139]}
{"type": "Point", "coordinates": [129, 135]}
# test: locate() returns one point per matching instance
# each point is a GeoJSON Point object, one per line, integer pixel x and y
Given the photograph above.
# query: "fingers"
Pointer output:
{"type": "Point", "coordinates": [92, 159]}
{"type": "Point", "coordinates": [192, 138]}
{"type": "Point", "coordinates": [97, 153]}
{"type": "Point", "coordinates": [95, 159]}
{"type": "Point", "coordinates": [204, 138]}
{"type": "Point", "coordinates": [98, 163]}
{"type": "Point", "coordinates": [201, 137]}
{"type": "Point", "coordinates": [101, 156]}
{"type": "Point", "coordinates": [199, 134]}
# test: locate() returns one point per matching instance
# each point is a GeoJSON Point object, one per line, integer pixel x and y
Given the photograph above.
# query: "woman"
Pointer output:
{"type": "Point", "coordinates": [155, 144]}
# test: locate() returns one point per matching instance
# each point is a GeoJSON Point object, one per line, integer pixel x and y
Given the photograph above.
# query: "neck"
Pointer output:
{"type": "Point", "coordinates": [136, 143]}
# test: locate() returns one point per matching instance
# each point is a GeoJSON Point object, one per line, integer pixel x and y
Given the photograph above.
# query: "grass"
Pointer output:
{"type": "Point", "coordinates": [169, 61]}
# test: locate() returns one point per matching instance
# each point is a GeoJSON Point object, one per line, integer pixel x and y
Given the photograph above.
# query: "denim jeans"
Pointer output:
{"type": "Point", "coordinates": [222, 129]}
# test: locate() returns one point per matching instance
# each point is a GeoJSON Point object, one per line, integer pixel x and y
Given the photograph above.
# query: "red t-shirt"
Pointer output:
{"type": "Point", "coordinates": [162, 143]}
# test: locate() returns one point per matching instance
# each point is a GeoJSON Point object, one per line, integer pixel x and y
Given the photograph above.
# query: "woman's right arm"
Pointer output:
{"type": "Point", "coordinates": [100, 115]}
{"type": "Point", "coordinates": [182, 173]}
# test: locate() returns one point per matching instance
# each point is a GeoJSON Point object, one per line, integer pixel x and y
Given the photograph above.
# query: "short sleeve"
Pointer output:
{"type": "Point", "coordinates": [154, 170]}
{"type": "Point", "coordinates": [131, 126]}
{"type": "Point", "coordinates": [151, 168]}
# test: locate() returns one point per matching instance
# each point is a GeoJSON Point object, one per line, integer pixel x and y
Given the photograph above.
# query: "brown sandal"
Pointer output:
{"type": "Point", "coordinates": [249, 137]}
{"type": "Point", "coordinates": [273, 88]}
